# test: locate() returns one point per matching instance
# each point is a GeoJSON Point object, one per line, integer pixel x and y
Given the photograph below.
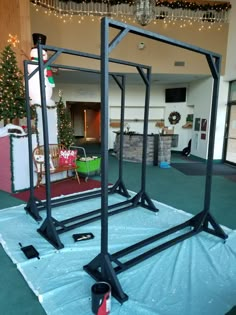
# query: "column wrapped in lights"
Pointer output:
{"type": "Point", "coordinates": [144, 11]}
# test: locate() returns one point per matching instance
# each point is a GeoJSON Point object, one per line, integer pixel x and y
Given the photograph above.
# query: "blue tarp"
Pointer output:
{"type": "Point", "coordinates": [194, 277]}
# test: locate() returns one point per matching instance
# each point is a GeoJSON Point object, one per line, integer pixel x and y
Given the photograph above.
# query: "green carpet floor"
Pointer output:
{"type": "Point", "coordinates": [16, 298]}
{"type": "Point", "coordinates": [165, 185]}
{"type": "Point", "coordinates": [180, 191]}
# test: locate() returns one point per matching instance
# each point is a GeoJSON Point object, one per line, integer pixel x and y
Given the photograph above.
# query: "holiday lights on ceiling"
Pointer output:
{"type": "Point", "coordinates": [143, 11]}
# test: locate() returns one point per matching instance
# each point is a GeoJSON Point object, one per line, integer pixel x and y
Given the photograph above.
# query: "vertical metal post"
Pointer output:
{"type": "Point", "coordinates": [104, 136]}
{"type": "Point", "coordinates": [45, 131]}
{"type": "Point", "coordinates": [29, 129]}
{"type": "Point", "coordinates": [122, 118]}
{"type": "Point", "coordinates": [31, 206]}
{"type": "Point", "coordinates": [47, 229]}
{"type": "Point", "coordinates": [28, 119]}
{"type": "Point", "coordinates": [119, 186]}
{"type": "Point", "coordinates": [145, 130]}
{"type": "Point", "coordinates": [210, 156]}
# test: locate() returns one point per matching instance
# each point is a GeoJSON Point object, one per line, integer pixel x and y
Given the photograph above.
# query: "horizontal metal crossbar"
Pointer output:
{"type": "Point", "coordinates": [136, 260]}
{"type": "Point", "coordinates": [91, 217]}
{"type": "Point", "coordinates": [150, 240]}
{"type": "Point", "coordinates": [70, 199]}
{"type": "Point", "coordinates": [91, 213]}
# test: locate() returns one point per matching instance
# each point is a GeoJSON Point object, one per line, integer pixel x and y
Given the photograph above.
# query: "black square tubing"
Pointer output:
{"type": "Point", "coordinates": [49, 229]}
{"type": "Point", "coordinates": [101, 267]}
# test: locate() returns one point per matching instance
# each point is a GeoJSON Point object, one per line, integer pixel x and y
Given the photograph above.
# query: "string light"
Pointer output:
{"type": "Point", "coordinates": [186, 11]}
{"type": "Point", "coordinates": [13, 40]}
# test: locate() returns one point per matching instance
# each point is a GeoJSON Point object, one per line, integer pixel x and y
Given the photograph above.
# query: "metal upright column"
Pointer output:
{"type": "Point", "coordinates": [202, 219]}
{"type": "Point", "coordinates": [142, 197]}
{"type": "Point", "coordinates": [104, 260]}
{"type": "Point", "coordinates": [100, 268]}
{"type": "Point", "coordinates": [31, 206]}
{"type": "Point", "coordinates": [47, 229]}
{"type": "Point", "coordinates": [119, 185]}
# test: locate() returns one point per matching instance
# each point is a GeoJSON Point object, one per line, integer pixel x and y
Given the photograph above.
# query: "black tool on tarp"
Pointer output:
{"type": "Point", "coordinates": [82, 236]}
{"type": "Point", "coordinates": [29, 251]}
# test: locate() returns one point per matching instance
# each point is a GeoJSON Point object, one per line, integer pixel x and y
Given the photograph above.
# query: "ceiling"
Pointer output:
{"type": "Point", "coordinates": [82, 77]}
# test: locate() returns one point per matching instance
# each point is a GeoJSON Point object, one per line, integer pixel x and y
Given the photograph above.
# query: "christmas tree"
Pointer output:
{"type": "Point", "coordinates": [12, 97]}
{"type": "Point", "coordinates": [65, 130]}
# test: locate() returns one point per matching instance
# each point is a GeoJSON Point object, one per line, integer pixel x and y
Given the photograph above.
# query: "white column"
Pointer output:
{"type": "Point", "coordinates": [230, 72]}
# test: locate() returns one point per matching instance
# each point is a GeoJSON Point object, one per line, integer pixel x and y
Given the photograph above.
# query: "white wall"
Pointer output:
{"type": "Point", "coordinates": [158, 110]}
{"type": "Point", "coordinates": [200, 93]}
{"type": "Point", "coordinates": [20, 162]}
{"type": "Point", "coordinates": [134, 112]}
{"type": "Point", "coordinates": [221, 118]}
{"type": "Point", "coordinates": [230, 71]}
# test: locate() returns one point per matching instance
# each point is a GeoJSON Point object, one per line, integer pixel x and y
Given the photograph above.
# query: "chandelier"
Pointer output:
{"type": "Point", "coordinates": [142, 11]}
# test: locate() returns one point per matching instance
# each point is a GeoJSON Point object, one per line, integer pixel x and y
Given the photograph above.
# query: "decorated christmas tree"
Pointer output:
{"type": "Point", "coordinates": [12, 98]}
{"type": "Point", "coordinates": [65, 129]}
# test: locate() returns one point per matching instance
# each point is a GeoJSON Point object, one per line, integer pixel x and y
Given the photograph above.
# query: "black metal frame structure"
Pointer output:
{"type": "Point", "coordinates": [106, 266]}
{"type": "Point", "coordinates": [51, 228]}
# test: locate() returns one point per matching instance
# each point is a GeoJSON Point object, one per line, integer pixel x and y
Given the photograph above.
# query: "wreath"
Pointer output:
{"type": "Point", "coordinates": [174, 118]}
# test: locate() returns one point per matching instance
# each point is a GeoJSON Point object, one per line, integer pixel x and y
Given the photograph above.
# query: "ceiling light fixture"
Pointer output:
{"type": "Point", "coordinates": [144, 11]}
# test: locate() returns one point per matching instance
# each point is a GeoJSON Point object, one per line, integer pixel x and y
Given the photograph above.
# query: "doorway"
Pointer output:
{"type": "Point", "coordinates": [86, 120]}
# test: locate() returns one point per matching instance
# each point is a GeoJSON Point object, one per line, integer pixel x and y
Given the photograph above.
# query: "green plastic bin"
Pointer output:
{"type": "Point", "coordinates": [89, 167]}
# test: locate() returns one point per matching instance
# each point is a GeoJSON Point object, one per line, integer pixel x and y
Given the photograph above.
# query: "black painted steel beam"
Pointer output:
{"type": "Point", "coordinates": [159, 38]}
{"type": "Point", "coordinates": [101, 267]}
{"type": "Point", "coordinates": [202, 221]}
{"type": "Point", "coordinates": [49, 227]}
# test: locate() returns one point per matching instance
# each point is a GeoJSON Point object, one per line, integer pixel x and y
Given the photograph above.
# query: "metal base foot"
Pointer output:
{"type": "Point", "coordinates": [48, 231]}
{"type": "Point", "coordinates": [100, 268]}
{"type": "Point", "coordinates": [32, 208]}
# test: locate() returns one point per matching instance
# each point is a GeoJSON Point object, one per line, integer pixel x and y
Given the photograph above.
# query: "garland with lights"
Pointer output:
{"type": "Point", "coordinates": [12, 96]}
{"type": "Point", "coordinates": [186, 5]}
{"type": "Point", "coordinates": [194, 6]}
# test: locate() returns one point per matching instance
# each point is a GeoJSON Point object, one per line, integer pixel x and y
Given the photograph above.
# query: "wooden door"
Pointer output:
{"type": "Point", "coordinates": [92, 125]}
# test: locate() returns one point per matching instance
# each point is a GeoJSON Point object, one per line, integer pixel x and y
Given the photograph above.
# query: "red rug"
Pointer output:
{"type": "Point", "coordinates": [64, 187]}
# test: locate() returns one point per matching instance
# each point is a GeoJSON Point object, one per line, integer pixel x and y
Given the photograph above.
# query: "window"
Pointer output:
{"type": "Point", "coordinates": [232, 91]}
